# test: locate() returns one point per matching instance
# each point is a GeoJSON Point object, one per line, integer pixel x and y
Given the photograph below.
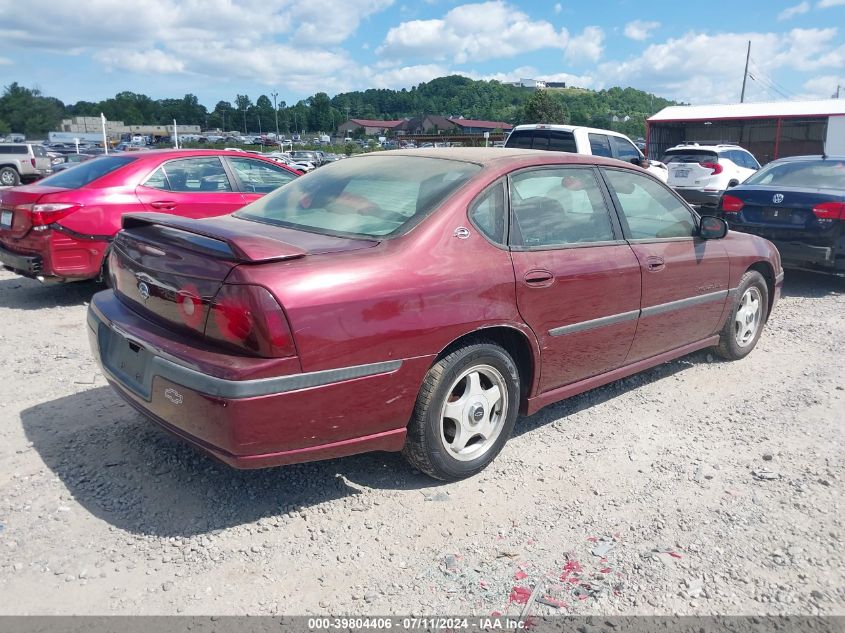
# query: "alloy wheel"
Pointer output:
{"type": "Point", "coordinates": [748, 317]}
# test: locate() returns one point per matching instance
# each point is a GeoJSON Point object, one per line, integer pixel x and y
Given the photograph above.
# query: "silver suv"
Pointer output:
{"type": "Point", "coordinates": [20, 162]}
{"type": "Point", "coordinates": [700, 173]}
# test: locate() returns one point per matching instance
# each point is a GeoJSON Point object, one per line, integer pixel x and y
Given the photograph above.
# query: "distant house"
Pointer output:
{"type": "Point", "coordinates": [435, 124]}
{"type": "Point", "coordinates": [473, 126]}
{"type": "Point", "coordinates": [371, 127]}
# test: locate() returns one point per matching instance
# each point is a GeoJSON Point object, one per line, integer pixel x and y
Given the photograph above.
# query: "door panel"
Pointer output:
{"type": "Point", "coordinates": [587, 284]}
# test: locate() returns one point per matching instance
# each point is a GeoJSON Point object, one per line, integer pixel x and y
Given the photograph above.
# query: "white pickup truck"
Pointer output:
{"type": "Point", "coordinates": [21, 162]}
{"type": "Point", "coordinates": [591, 141]}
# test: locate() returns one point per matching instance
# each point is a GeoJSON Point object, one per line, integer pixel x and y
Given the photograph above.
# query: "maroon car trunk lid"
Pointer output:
{"type": "Point", "coordinates": [16, 219]}
{"type": "Point", "coordinates": [170, 268]}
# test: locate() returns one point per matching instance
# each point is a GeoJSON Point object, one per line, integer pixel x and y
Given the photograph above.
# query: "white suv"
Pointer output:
{"type": "Point", "coordinates": [700, 173]}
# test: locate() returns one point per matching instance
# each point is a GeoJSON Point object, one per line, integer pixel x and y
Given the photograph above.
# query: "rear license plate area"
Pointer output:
{"type": "Point", "coordinates": [681, 173]}
{"type": "Point", "coordinates": [781, 216]}
{"type": "Point", "coordinates": [6, 219]}
{"type": "Point", "coordinates": [127, 361]}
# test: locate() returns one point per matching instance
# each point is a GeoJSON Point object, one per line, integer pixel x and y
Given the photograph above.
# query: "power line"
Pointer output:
{"type": "Point", "coordinates": [776, 86]}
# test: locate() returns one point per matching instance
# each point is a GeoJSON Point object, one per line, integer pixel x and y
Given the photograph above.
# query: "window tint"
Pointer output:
{"type": "Point", "coordinates": [815, 174]}
{"type": "Point", "coordinates": [649, 208]}
{"type": "Point", "coordinates": [204, 174]}
{"type": "Point", "coordinates": [14, 149]}
{"type": "Point", "coordinates": [521, 139]}
{"type": "Point", "coordinates": [488, 213]}
{"type": "Point", "coordinates": [259, 177]}
{"type": "Point", "coordinates": [553, 207]}
{"type": "Point", "coordinates": [690, 156]}
{"type": "Point", "coordinates": [562, 141]}
{"type": "Point", "coordinates": [86, 172]}
{"type": "Point", "coordinates": [600, 145]}
{"type": "Point", "coordinates": [624, 149]}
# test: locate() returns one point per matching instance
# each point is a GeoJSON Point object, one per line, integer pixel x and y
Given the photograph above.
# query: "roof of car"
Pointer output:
{"type": "Point", "coordinates": [565, 128]}
{"type": "Point", "coordinates": [493, 155]}
{"type": "Point", "coordinates": [713, 146]}
{"type": "Point", "coordinates": [836, 157]}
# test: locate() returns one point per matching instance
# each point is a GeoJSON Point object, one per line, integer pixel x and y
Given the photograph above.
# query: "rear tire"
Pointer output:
{"type": "Point", "coordinates": [465, 412]}
{"type": "Point", "coordinates": [748, 315]}
{"type": "Point", "coordinates": [9, 177]}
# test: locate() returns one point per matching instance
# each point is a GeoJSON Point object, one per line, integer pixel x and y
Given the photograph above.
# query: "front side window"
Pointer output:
{"type": "Point", "coordinates": [259, 177]}
{"type": "Point", "coordinates": [558, 207]}
{"type": "Point", "coordinates": [648, 207]}
{"type": "Point", "coordinates": [600, 145]}
{"type": "Point", "coordinates": [370, 196]}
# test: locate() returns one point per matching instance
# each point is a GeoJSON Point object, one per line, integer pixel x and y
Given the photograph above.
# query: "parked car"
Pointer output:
{"type": "Point", "coordinates": [417, 300]}
{"type": "Point", "coordinates": [307, 156]}
{"type": "Point", "coordinates": [61, 228]}
{"type": "Point", "coordinates": [799, 204]}
{"type": "Point", "coordinates": [583, 140]}
{"type": "Point", "coordinates": [701, 173]}
{"type": "Point", "coordinates": [71, 160]}
{"type": "Point", "coordinates": [23, 162]}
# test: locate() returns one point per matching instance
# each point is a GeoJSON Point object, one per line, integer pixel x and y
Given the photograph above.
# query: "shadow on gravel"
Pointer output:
{"type": "Point", "coordinates": [127, 472]}
{"type": "Point", "coordinates": [597, 396]}
{"type": "Point", "coordinates": [802, 283]}
{"type": "Point", "coordinates": [28, 294]}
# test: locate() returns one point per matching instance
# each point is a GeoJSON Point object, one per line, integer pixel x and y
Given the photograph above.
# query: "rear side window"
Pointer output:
{"type": "Point", "coordinates": [14, 149]}
{"type": "Point", "coordinates": [488, 213]}
{"type": "Point", "coordinates": [690, 156]}
{"type": "Point", "coordinates": [624, 149]}
{"type": "Point", "coordinates": [87, 172]}
{"type": "Point", "coordinates": [600, 145]}
{"type": "Point", "coordinates": [259, 177]}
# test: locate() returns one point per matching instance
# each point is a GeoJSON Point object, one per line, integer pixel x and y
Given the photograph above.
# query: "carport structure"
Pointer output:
{"type": "Point", "coordinates": [767, 130]}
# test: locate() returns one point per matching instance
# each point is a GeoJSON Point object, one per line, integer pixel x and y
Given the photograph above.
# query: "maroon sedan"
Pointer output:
{"type": "Point", "coordinates": [61, 228]}
{"type": "Point", "coordinates": [417, 301]}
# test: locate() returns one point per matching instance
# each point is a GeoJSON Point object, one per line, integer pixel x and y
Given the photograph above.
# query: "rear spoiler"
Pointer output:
{"type": "Point", "coordinates": [244, 245]}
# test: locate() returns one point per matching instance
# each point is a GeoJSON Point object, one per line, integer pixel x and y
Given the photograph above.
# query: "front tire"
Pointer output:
{"type": "Point", "coordinates": [465, 412]}
{"type": "Point", "coordinates": [745, 323]}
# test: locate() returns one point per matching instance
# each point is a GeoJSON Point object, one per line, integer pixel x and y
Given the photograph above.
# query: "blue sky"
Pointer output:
{"type": "Point", "coordinates": [690, 51]}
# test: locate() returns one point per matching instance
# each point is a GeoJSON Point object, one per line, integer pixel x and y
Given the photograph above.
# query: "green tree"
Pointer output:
{"type": "Point", "coordinates": [541, 107]}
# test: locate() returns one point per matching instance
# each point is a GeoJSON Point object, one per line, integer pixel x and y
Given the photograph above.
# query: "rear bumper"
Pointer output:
{"type": "Point", "coordinates": [699, 197]}
{"type": "Point", "coordinates": [801, 253]}
{"type": "Point", "coordinates": [27, 265]}
{"type": "Point", "coordinates": [256, 423]}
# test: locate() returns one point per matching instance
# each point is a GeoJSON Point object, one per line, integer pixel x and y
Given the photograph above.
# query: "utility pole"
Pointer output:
{"type": "Point", "coordinates": [276, 112]}
{"type": "Point", "coordinates": [835, 95]}
{"type": "Point", "coordinates": [745, 74]}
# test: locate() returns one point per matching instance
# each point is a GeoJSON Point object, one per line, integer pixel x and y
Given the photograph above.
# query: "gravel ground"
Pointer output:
{"type": "Point", "coordinates": [699, 487]}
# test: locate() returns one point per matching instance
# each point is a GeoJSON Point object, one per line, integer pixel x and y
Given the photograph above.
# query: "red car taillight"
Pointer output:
{"type": "Point", "coordinates": [46, 214]}
{"type": "Point", "coordinates": [716, 167]}
{"type": "Point", "coordinates": [731, 204]}
{"type": "Point", "coordinates": [249, 317]}
{"type": "Point", "coordinates": [830, 211]}
{"type": "Point", "coordinates": [32, 160]}
{"type": "Point", "coordinates": [190, 307]}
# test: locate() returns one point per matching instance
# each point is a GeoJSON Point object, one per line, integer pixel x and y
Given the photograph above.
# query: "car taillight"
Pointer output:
{"type": "Point", "coordinates": [830, 211]}
{"type": "Point", "coordinates": [250, 318]}
{"type": "Point", "coordinates": [731, 204]}
{"type": "Point", "coordinates": [716, 167]}
{"type": "Point", "coordinates": [32, 160]}
{"type": "Point", "coordinates": [46, 214]}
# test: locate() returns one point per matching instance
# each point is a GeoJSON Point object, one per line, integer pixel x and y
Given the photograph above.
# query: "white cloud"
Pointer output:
{"type": "Point", "coordinates": [824, 86]}
{"type": "Point", "coordinates": [588, 45]}
{"type": "Point", "coordinates": [704, 68]}
{"type": "Point", "coordinates": [5, 61]}
{"type": "Point", "coordinates": [558, 7]}
{"type": "Point", "coordinates": [791, 12]}
{"type": "Point", "coordinates": [826, 4]}
{"type": "Point", "coordinates": [475, 32]}
{"type": "Point", "coordinates": [640, 30]}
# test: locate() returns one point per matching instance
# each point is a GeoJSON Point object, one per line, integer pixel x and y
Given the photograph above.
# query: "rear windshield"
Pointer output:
{"type": "Point", "coordinates": [374, 196]}
{"type": "Point", "coordinates": [806, 174]}
{"type": "Point", "coordinates": [690, 156]}
{"type": "Point", "coordinates": [551, 140]}
{"type": "Point", "coordinates": [86, 172]}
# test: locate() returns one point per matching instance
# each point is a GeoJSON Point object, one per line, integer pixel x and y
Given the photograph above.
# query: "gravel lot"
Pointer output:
{"type": "Point", "coordinates": [698, 487]}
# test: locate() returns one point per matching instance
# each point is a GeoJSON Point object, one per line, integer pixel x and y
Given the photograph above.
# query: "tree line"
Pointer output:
{"type": "Point", "coordinates": [28, 111]}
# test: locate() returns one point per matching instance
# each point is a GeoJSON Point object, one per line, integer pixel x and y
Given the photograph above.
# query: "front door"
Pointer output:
{"type": "Point", "coordinates": [578, 282]}
{"type": "Point", "coordinates": [684, 278]}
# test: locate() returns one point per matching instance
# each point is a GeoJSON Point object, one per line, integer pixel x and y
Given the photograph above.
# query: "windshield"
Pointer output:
{"type": "Point", "coordinates": [690, 156]}
{"type": "Point", "coordinates": [86, 172]}
{"type": "Point", "coordinates": [806, 174]}
{"type": "Point", "coordinates": [374, 196]}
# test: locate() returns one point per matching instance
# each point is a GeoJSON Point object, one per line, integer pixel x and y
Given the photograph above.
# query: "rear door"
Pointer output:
{"type": "Point", "coordinates": [577, 280]}
{"type": "Point", "coordinates": [684, 278]}
{"type": "Point", "coordinates": [195, 187]}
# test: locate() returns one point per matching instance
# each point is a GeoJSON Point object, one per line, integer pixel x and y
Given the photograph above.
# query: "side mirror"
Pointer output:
{"type": "Point", "coordinates": [733, 183]}
{"type": "Point", "coordinates": [712, 228]}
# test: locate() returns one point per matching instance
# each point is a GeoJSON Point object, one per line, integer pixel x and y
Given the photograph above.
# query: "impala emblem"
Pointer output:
{"type": "Point", "coordinates": [144, 290]}
{"type": "Point", "coordinates": [777, 198]}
